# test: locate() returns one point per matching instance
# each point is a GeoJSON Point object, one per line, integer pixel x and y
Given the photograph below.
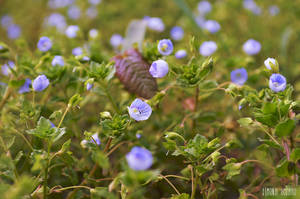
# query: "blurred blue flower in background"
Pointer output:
{"type": "Point", "coordinates": [58, 61]}
{"type": "Point", "coordinates": [44, 44]}
{"type": "Point", "coordinates": [251, 47]}
{"type": "Point", "coordinates": [71, 31]}
{"type": "Point", "coordinates": [239, 76]}
{"type": "Point", "coordinates": [159, 68]}
{"type": "Point", "coordinates": [212, 26]}
{"type": "Point", "coordinates": [93, 33]}
{"type": "Point", "coordinates": [277, 82]}
{"type": "Point", "coordinates": [155, 23]}
{"type": "Point", "coordinates": [95, 2]}
{"type": "Point", "coordinates": [207, 48]}
{"type": "Point", "coordinates": [74, 12]}
{"type": "Point", "coordinates": [274, 10]}
{"type": "Point", "coordinates": [26, 86]}
{"type": "Point", "coordinates": [59, 3]}
{"type": "Point", "coordinates": [252, 6]}
{"type": "Point", "coordinates": [139, 158]}
{"type": "Point", "coordinates": [5, 69]}
{"type": "Point", "coordinates": [181, 54]}
{"type": "Point", "coordinates": [116, 40]}
{"type": "Point", "coordinates": [91, 12]}
{"type": "Point", "coordinates": [139, 110]}
{"type": "Point", "coordinates": [6, 21]}
{"type": "Point", "coordinates": [40, 83]}
{"type": "Point", "coordinates": [57, 20]}
{"type": "Point", "coordinates": [89, 86]}
{"type": "Point", "coordinates": [77, 51]}
{"type": "Point", "coordinates": [165, 47]}
{"type": "Point", "coordinates": [13, 31]}
{"type": "Point", "coordinates": [204, 7]}
{"type": "Point", "coordinates": [177, 33]}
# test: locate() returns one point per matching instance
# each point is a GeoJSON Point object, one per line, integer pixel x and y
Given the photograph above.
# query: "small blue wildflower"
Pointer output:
{"type": "Point", "coordinates": [240, 107]}
{"type": "Point", "coordinates": [89, 86]}
{"type": "Point", "coordinates": [44, 44]}
{"type": "Point", "coordinates": [181, 54]}
{"type": "Point", "coordinates": [74, 12]}
{"type": "Point", "coordinates": [268, 63]}
{"type": "Point", "coordinates": [77, 51]}
{"type": "Point", "coordinates": [177, 33]}
{"type": "Point", "coordinates": [71, 31]}
{"type": "Point", "coordinates": [165, 47]}
{"type": "Point", "coordinates": [139, 110]}
{"type": "Point", "coordinates": [239, 76]}
{"type": "Point", "coordinates": [212, 26]}
{"type": "Point", "coordinates": [251, 47]}
{"type": "Point", "coordinates": [155, 23]}
{"type": "Point", "coordinates": [6, 21]}
{"type": "Point", "coordinates": [40, 83]}
{"type": "Point", "coordinates": [91, 12]}
{"type": "Point", "coordinates": [59, 3]}
{"type": "Point", "coordinates": [277, 82]}
{"type": "Point", "coordinates": [159, 68]}
{"type": "Point", "coordinates": [116, 40]}
{"type": "Point", "coordinates": [138, 136]}
{"type": "Point", "coordinates": [94, 138]}
{"type": "Point", "coordinates": [200, 20]}
{"type": "Point", "coordinates": [207, 48]}
{"type": "Point", "coordinates": [6, 68]}
{"type": "Point", "coordinates": [274, 10]}
{"type": "Point", "coordinates": [56, 20]}
{"type": "Point", "coordinates": [139, 159]}
{"type": "Point", "coordinates": [58, 61]}
{"type": "Point", "coordinates": [13, 31]}
{"type": "Point", "coordinates": [252, 6]}
{"type": "Point", "coordinates": [204, 7]}
{"type": "Point", "coordinates": [95, 2]}
{"type": "Point", "coordinates": [52, 125]}
{"type": "Point", "coordinates": [26, 86]}
{"type": "Point", "coordinates": [93, 33]}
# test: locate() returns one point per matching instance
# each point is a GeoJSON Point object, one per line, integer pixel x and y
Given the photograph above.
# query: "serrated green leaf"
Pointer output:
{"type": "Point", "coordinates": [285, 128]}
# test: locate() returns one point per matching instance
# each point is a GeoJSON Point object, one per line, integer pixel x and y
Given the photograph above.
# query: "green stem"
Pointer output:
{"type": "Point", "coordinates": [45, 191]}
{"type": "Point", "coordinates": [63, 117]}
{"type": "Point", "coordinates": [71, 187]}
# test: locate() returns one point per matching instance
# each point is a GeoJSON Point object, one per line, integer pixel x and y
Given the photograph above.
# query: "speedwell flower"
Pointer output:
{"type": "Point", "coordinates": [207, 48]}
{"type": "Point", "coordinates": [277, 82]}
{"type": "Point", "coordinates": [94, 138]}
{"type": "Point", "coordinates": [74, 12]}
{"type": "Point", "coordinates": [58, 61]}
{"type": "Point", "coordinates": [139, 158]}
{"type": "Point", "coordinates": [165, 47]}
{"type": "Point", "coordinates": [89, 86]}
{"type": "Point", "coordinates": [139, 110]}
{"type": "Point", "coordinates": [116, 40]}
{"type": "Point", "coordinates": [71, 31]}
{"type": "Point", "coordinates": [155, 23]}
{"type": "Point", "coordinates": [268, 63]}
{"type": "Point", "coordinates": [159, 68]}
{"type": "Point", "coordinates": [26, 86]}
{"type": "Point", "coordinates": [212, 26]}
{"type": "Point", "coordinates": [177, 33]}
{"type": "Point", "coordinates": [77, 51]}
{"type": "Point", "coordinates": [13, 31]}
{"type": "Point", "coordinates": [251, 47]}
{"type": "Point", "coordinates": [40, 83]}
{"type": "Point", "coordinates": [239, 76]}
{"type": "Point", "coordinates": [180, 54]}
{"type": "Point", "coordinates": [204, 7]}
{"type": "Point", "coordinates": [6, 68]}
{"type": "Point", "coordinates": [44, 44]}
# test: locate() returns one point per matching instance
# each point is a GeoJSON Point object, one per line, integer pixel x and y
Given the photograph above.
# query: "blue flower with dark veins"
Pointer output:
{"type": "Point", "coordinates": [239, 76]}
{"type": "Point", "coordinates": [277, 82]}
{"type": "Point", "coordinates": [165, 47]}
{"type": "Point", "coordinates": [139, 110]}
{"type": "Point", "coordinates": [159, 68]}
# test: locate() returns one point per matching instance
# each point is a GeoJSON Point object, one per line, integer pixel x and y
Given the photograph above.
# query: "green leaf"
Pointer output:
{"type": "Point", "coordinates": [285, 128]}
{"type": "Point", "coordinates": [246, 121]}
{"type": "Point", "coordinates": [181, 196]}
{"type": "Point", "coordinates": [74, 101]}
{"type": "Point", "coordinates": [22, 188]}
{"type": "Point", "coordinates": [102, 193]}
{"type": "Point", "coordinates": [233, 169]}
{"type": "Point", "coordinates": [282, 169]}
{"type": "Point", "coordinates": [101, 159]}
{"type": "Point", "coordinates": [295, 155]}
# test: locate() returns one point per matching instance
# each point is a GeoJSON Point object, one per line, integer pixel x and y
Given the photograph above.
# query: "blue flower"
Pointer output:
{"type": "Point", "coordinates": [40, 83]}
{"type": "Point", "coordinates": [177, 33]}
{"type": "Point", "coordinates": [251, 47]}
{"type": "Point", "coordinates": [252, 6]}
{"type": "Point", "coordinates": [89, 86]}
{"type": "Point", "coordinates": [212, 26]}
{"type": "Point", "coordinates": [74, 12]}
{"type": "Point", "coordinates": [44, 44]}
{"type": "Point", "coordinates": [116, 40]}
{"type": "Point", "coordinates": [95, 2]}
{"type": "Point", "coordinates": [85, 58]}
{"type": "Point", "coordinates": [26, 86]}
{"type": "Point", "coordinates": [139, 159]}
{"type": "Point", "coordinates": [6, 21]}
{"type": "Point", "coordinates": [165, 47]}
{"type": "Point", "coordinates": [155, 23]}
{"type": "Point", "coordinates": [207, 48]}
{"type": "Point", "coordinates": [77, 51]}
{"type": "Point", "coordinates": [58, 61]}
{"type": "Point", "coordinates": [181, 54]}
{"type": "Point", "coordinates": [58, 21]}
{"type": "Point", "coordinates": [138, 136]}
{"type": "Point", "coordinates": [204, 7]}
{"type": "Point", "coordinates": [239, 76]}
{"type": "Point", "coordinates": [93, 33]}
{"type": "Point", "coordinates": [13, 31]}
{"type": "Point", "coordinates": [71, 31]}
{"type": "Point", "coordinates": [52, 125]}
{"type": "Point", "coordinates": [139, 110]}
{"type": "Point", "coordinates": [92, 12]}
{"type": "Point", "coordinates": [159, 68]}
{"type": "Point", "coordinates": [274, 10]}
{"type": "Point", "coordinates": [200, 20]}
{"type": "Point", "coordinates": [268, 63]}
{"type": "Point", "coordinates": [95, 138]}
{"type": "Point", "coordinates": [59, 3]}
{"type": "Point", "coordinates": [6, 68]}
{"type": "Point", "coordinates": [277, 82]}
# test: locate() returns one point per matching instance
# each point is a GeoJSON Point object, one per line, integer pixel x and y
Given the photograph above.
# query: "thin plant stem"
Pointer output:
{"type": "Point", "coordinates": [71, 187]}
{"type": "Point", "coordinates": [170, 183]}
{"type": "Point", "coordinates": [24, 138]}
{"type": "Point", "coordinates": [63, 117]}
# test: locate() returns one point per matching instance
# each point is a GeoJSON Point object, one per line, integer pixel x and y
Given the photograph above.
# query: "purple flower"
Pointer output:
{"type": "Point", "coordinates": [155, 23]}
{"type": "Point", "coordinates": [177, 33]}
{"type": "Point", "coordinates": [13, 31]}
{"type": "Point", "coordinates": [59, 3]}
{"type": "Point", "coordinates": [252, 6]}
{"type": "Point", "coordinates": [212, 26]}
{"type": "Point", "coordinates": [6, 21]}
{"type": "Point", "coordinates": [26, 86]}
{"type": "Point", "coordinates": [274, 10]}
{"type": "Point", "coordinates": [77, 51]}
{"type": "Point", "coordinates": [58, 61]}
{"type": "Point", "coordinates": [44, 44]}
{"type": "Point", "coordinates": [116, 40]}
{"type": "Point", "coordinates": [139, 110]}
{"type": "Point", "coordinates": [180, 54]}
{"type": "Point", "coordinates": [139, 159]}
{"type": "Point", "coordinates": [277, 82]}
{"type": "Point", "coordinates": [251, 47]}
{"type": "Point", "coordinates": [74, 12]}
{"type": "Point", "coordinates": [138, 136]}
{"type": "Point", "coordinates": [200, 20]}
{"type": "Point", "coordinates": [95, 138]}
{"type": "Point", "coordinates": [71, 31]}
{"type": "Point", "coordinates": [6, 68]}
{"type": "Point", "coordinates": [40, 83]}
{"type": "Point", "coordinates": [89, 86]}
{"type": "Point", "coordinates": [95, 2]}
{"type": "Point", "coordinates": [159, 68]}
{"type": "Point", "coordinates": [165, 47]}
{"type": "Point", "coordinates": [57, 20]}
{"type": "Point", "coordinates": [204, 7]}
{"type": "Point", "coordinates": [207, 48]}
{"type": "Point", "coordinates": [270, 61]}
{"type": "Point", "coordinates": [239, 76]}
{"type": "Point", "coordinates": [92, 12]}
{"type": "Point", "coordinates": [93, 33]}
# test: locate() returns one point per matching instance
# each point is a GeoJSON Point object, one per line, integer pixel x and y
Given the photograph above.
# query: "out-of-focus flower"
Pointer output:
{"type": "Point", "coordinates": [165, 47]}
{"type": "Point", "coordinates": [95, 2]}
{"type": "Point", "coordinates": [200, 20]}
{"type": "Point", "coordinates": [92, 12]}
{"type": "Point", "coordinates": [251, 47]}
{"type": "Point", "coordinates": [26, 86]}
{"type": "Point", "coordinates": [138, 136]}
{"type": "Point", "coordinates": [204, 7]}
{"type": "Point", "coordinates": [155, 23]}
{"type": "Point", "coordinates": [239, 76]}
{"type": "Point", "coordinates": [93, 33]}
{"type": "Point", "coordinates": [139, 110]}
{"type": "Point", "coordinates": [57, 20]}
{"type": "Point", "coordinates": [274, 10]}
{"type": "Point", "coordinates": [139, 159]}
{"type": "Point", "coordinates": [71, 31]}
{"type": "Point", "coordinates": [74, 12]}
{"type": "Point", "coordinates": [212, 26]}
{"type": "Point", "coordinates": [177, 33]}
{"type": "Point", "coordinates": [5, 69]}
{"type": "Point", "coordinates": [268, 61]}
{"type": "Point", "coordinates": [207, 48]}
{"type": "Point", "coordinates": [58, 61]}
{"type": "Point", "coordinates": [44, 44]}
{"type": "Point", "coordinates": [77, 51]}
{"type": "Point", "coordinates": [6, 21]}
{"type": "Point", "coordinates": [13, 31]}
{"type": "Point", "coordinates": [252, 6]}
{"type": "Point", "coordinates": [59, 3]}
{"type": "Point", "coordinates": [116, 40]}
{"type": "Point", "coordinates": [89, 86]}
{"type": "Point", "coordinates": [85, 58]}
{"type": "Point", "coordinates": [159, 68]}
{"type": "Point", "coordinates": [181, 54]}
{"type": "Point", "coordinates": [94, 138]}
{"type": "Point", "coordinates": [277, 82]}
{"type": "Point", "coordinates": [40, 83]}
